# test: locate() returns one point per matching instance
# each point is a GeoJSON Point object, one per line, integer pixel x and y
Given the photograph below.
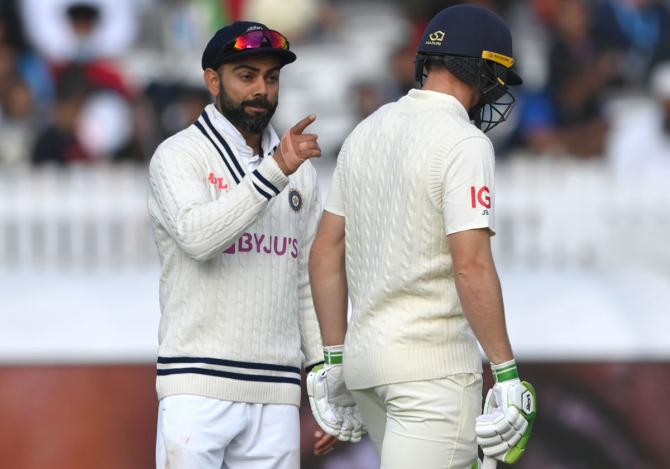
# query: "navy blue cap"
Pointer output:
{"type": "Point", "coordinates": [470, 31]}
{"type": "Point", "coordinates": [216, 54]}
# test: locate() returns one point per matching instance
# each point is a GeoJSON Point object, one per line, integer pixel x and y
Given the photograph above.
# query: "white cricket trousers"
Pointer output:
{"type": "Point", "coordinates": [196, 432]}
{"type": "Point", "coordinates": [424, 424]}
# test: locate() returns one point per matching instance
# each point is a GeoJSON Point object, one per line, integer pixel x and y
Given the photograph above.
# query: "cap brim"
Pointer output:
{"type": "Point", "coordinates": [285, 56]}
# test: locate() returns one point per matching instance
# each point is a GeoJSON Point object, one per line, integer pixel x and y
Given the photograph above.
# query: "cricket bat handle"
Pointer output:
{"type": "Point", "coordinates": [489, 463]}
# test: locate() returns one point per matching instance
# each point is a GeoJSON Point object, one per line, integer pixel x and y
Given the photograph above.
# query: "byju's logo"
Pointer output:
{"type": "Point", "coordinates": [264, 244]}
{"type": "Point", "coordinates": [435, 38]}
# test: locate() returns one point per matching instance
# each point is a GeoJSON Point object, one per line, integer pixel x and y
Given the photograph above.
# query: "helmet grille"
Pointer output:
{"type": "Point", "coordinates": [488, 77]}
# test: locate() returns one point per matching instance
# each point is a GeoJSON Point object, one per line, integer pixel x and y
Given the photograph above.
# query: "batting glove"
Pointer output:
{"type": "Point", "coordinates": [331, 402]}
{"type": "Point", "coordinates": [503, 430]}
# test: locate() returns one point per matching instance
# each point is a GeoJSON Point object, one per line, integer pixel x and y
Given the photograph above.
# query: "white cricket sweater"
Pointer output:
{"type": "Point", "coordinates": [236, 304]}
{"type": "Point", "coordinates": [410, 174]}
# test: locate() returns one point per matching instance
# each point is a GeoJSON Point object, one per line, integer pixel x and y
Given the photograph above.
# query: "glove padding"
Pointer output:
{"type": "Point", "coordinates": [332, 404]}
{"type": "Point", "coordinates": [503, 430]}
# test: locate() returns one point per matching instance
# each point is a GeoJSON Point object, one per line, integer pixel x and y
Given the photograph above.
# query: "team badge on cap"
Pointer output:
{"type": "Point", "coordinates": [295, 200]}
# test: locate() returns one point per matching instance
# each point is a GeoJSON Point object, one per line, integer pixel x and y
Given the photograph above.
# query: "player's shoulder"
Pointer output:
{"type": "Point", "coordinates": [189, 138]}
{"type": "Point", "coordinates": [185, 144]}
{"type": "Point", "coordinates": [372, 121]}
{"type": "Point", "coordinates": [472, 144]}
{"type": "Point", "coordinates": [470, 133]}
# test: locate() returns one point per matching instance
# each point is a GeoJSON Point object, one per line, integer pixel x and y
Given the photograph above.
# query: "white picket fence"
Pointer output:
{"type": "Point", "coordinates": [81, 217]}
{"type": "Point", "coordinates": [563, 214]}
{"type": "Point", "coordinates": [550, 214]}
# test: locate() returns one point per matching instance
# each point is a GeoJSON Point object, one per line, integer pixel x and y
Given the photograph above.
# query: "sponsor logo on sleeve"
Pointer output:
{"type": "Point", "coordinates": [218, 182]}
{"type": "Point", "coordinates": [480, 196]}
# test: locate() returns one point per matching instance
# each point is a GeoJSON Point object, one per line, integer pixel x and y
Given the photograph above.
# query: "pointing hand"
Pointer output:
{"type": "Point", "coordinates": [296, 147]}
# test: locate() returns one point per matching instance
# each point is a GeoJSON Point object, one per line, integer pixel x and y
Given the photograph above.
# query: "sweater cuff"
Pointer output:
{"type": "Point", "coordinates": [268, 179]}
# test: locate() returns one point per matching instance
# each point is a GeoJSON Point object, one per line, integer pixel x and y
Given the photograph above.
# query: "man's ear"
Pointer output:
{"type": "Point", "coordinates": [212, 81]}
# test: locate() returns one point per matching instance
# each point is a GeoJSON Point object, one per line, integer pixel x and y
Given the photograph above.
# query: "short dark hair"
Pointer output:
{"type": "Point", "coordinates": [435, 64]}
{"type": "Point", "coordinates": [83, 11]}
{"type": "Point", "coordinates": [466, 69]}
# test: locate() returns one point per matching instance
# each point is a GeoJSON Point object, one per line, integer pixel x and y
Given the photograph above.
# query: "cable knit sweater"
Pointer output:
{"type": "Point", "coordinates": [410, 174]}
{"type": "Point", "coordinates": [236, 305]}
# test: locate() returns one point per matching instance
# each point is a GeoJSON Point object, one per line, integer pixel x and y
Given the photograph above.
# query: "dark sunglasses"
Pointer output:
{"type": "Point", "coordinates": [257, 39]}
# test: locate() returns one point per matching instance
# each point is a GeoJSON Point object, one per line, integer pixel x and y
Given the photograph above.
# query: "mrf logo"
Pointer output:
{"type": "Point", "coordinates": [480, 196]}
{"type": "Point", "coordinates": [435, 38]}
{"type": "Point", "coordinates": [218, 182]}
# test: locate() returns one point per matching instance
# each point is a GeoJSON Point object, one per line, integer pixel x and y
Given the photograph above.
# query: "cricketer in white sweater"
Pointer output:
{"type": "Point", "coordinates": [233, 236]}
{"type": "Point", "coordinates": [403, 186]}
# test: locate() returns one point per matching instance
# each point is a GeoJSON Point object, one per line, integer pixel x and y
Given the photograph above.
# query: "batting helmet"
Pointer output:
{"type": "Point", "coordinates": [475, 45]}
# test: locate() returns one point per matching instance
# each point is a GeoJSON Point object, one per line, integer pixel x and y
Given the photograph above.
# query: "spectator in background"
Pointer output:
{"type": "Point", "coordinates": [8, 65]}
{"type": "Point", "coordinates": [58, 142]}
{"type": "Point", "coordinates": [84, 18]}
{"type": "Point", "coordinates": [401, 67]}
{"type": "Point", "coordinates": [638, 30]}
{"type": "Point", "coordinates": [187, 108]}
{"type": "Point", "coordinates": [566, 117]}
{"type": "Point", "coordinates": [176, 105]}
{"type": "Point", "coordinates": [160, 112]}
{"type": "Point", "coordinates": [639, 144]}
{"type": "Point", "coordinates": [17, 123]}
{"type": "Point", "coordinates": [367, 99]}
{"type": "Point", "coordinates": [369, 95]}
{"type": "Point", "coordinates": [79, 38]}
{"type": "Point", "coordinates": [16, 57]}
{"type": "Point", "coordinates": [85, 30]}
{"type": "Point", "coordinates": [170, 30]}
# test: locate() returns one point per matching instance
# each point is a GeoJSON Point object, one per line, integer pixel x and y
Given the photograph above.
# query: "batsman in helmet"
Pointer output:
{"type": "Point", "coordinates": [406, 236]}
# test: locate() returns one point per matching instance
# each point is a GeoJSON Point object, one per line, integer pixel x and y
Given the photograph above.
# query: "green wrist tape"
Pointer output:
{"type": "Point", "coordinates": [333, 355]}
{"type": "Point", "coordinates": [505, 371]}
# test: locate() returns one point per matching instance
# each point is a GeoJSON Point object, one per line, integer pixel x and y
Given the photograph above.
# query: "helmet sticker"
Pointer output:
{"type": "Point", "coordinates": [435, 38]}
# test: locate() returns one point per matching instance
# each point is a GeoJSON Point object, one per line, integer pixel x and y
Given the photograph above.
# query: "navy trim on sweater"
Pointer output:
{"type": "Point", "coordinates": [267, 183]}
{"type": "Point", "coordinates": [224, 143]}
{"type": "Point", "coordinates": [225, 161]}
{"type": "Point", "coordinates": [224, 362]}
{"type": "Point", "coordinates": [227, 374]}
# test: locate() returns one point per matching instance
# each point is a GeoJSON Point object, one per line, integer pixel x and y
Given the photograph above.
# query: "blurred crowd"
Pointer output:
{"type": "Point", "coordinates": [83, 81]}
{"type": "Point", "coordinates": [70, 94]}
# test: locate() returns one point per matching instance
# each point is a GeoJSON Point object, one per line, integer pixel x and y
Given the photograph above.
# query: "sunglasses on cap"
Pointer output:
{"type": "Point", "coordinates": [257, 39]}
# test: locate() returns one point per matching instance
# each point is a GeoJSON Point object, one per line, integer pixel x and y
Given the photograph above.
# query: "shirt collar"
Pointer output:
{"type": "Point", "coordinates": [437, 98]}
{"type": "Point", "coordinates": [269, 139]}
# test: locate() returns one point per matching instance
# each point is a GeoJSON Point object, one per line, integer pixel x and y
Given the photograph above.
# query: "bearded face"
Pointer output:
{"type": "Point", "coordinates": [248, 115]}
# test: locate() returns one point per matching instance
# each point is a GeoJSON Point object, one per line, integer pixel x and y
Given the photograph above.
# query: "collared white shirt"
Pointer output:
{"type": "Point", "coordinates": [269, 139]}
